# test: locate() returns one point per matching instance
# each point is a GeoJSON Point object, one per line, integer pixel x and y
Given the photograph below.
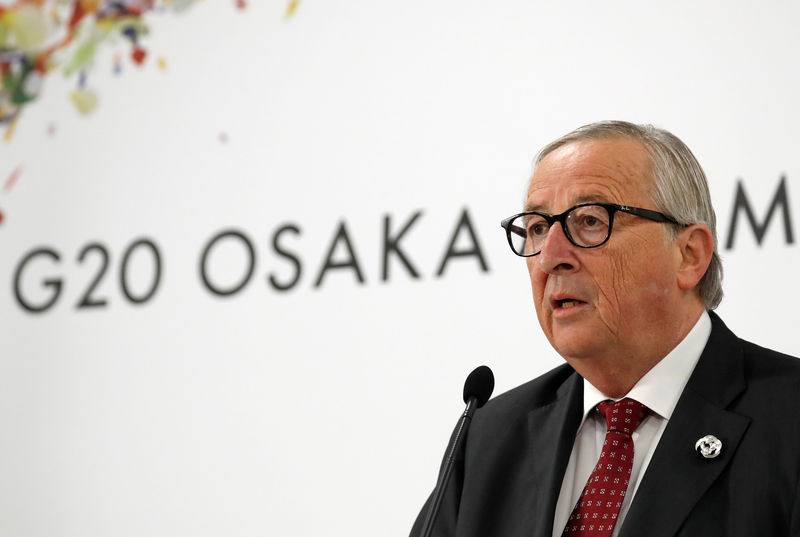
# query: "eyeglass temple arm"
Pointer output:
{"type": "Point", "coordinates": [506, 224]}
{"type": "Point", "coordinates": [647, 213]}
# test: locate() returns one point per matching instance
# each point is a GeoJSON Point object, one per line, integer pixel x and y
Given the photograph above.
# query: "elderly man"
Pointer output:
{"type": "Point", "coordinates": [662, 422]}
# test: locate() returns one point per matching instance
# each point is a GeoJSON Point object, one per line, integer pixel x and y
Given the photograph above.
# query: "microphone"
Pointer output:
{"type": "Point", "coordinates": [477, 390]}
{"type": "Point", "coordinates": [479, 385]}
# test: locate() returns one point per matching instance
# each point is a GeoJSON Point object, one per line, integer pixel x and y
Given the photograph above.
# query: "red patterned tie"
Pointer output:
{"type": "Point", "coordinates": [595, 514]}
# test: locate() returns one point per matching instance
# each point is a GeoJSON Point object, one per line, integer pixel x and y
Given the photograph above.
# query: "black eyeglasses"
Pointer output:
{"type": "Point", "coordinates": [587, 225]}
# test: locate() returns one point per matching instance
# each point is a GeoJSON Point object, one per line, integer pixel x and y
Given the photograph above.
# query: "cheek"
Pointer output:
{"type": "Point", "coordinates": [618, 288]}
{"type": "Point", "coordinates": [630, 287]}
{"type": "Point", "coordinates": [538, 283]}
{"type": "Point", "coordinates": [538, 278]}
{"type": "Point", "coordinates": [611, 284]}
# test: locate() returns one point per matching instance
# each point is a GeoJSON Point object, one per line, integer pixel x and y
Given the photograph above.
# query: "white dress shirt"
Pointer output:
{"type": "Point", "coordinates": [658, 390]}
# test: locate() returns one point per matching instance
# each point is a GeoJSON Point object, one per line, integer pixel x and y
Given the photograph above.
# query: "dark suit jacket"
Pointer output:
{"type": "Point", "coordinates": [508, 477]}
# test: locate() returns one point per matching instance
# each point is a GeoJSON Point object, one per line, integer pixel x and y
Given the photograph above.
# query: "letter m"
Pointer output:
{"type": "Point", "coordinates": [741, 203]}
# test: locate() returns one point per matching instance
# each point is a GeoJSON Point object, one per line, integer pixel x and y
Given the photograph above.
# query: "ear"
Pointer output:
{"type": "Point", "coordinates": [696, 247]}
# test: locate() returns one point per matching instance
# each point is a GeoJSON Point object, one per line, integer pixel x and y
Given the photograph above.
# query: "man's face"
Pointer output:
{"type": "Point", "coordinates": [608, 304]}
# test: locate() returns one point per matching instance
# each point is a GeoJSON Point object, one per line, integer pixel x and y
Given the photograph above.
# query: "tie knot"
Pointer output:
{"type": "Point", "coordinates": [622, 416]}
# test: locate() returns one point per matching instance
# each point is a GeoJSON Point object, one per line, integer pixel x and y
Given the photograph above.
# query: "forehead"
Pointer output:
{"type": "Point", "coordinates": [615, 170]}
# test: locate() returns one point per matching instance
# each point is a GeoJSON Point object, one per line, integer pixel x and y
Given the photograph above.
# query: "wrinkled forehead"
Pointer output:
{"type": "Point", "coordinates": [617, 170]}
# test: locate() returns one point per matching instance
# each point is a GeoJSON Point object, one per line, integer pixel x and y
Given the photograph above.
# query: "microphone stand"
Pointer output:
{"type": "Point", "coordinates": [457, 440]}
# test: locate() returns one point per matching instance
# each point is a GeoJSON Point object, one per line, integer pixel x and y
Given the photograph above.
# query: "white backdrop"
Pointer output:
{"type": "Point", "coordinates": [324, 410]}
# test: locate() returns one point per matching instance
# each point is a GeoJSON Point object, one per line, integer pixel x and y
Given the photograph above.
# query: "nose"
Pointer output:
{"type": "Point", "coordinates": [558, 254]}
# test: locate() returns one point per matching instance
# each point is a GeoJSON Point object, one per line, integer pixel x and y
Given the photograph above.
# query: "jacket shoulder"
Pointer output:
{"type": "Point", "coordinates": [758, 356]}
{"type": "Point", "coordinates": [772, 377]}
{"type": "Point", "coordinates": [514, 404]}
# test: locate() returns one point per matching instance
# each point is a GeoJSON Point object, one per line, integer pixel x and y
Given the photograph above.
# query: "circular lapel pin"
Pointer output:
{"type": "Point", "coordinates": [708, 447]}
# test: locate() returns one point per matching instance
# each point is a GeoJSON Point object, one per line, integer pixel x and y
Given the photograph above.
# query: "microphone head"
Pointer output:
{"type": "Point", "coordinates": [479, 384]}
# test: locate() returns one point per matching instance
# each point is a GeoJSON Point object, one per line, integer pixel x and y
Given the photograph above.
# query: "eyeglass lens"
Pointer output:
{"type": "Point", "coordinates": [586, 226]}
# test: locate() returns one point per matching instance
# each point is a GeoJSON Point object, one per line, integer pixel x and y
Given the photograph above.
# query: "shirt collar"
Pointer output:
{"type": "Point", "coordinates": [660, 388]}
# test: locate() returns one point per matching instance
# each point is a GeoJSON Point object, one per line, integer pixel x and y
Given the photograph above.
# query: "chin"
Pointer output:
{"type": "Point", "coordinates": [571, 351]}
{"type": "Point", "coordinates": [576, 343]}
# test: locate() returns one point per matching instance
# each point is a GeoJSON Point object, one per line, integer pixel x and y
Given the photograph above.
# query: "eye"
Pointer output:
{"type": "Point", "coordinates": [538, 229]}
{"type": "Point", "coordinates": [589, 221]}
{"type": "Point", "coordinates": [590, 218]}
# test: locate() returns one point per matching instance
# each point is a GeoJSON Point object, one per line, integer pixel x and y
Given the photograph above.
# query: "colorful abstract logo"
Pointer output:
{"type": "Point", "coordinates": [42, 37]}
{"type": "Point", "coordinates": [39, 37]}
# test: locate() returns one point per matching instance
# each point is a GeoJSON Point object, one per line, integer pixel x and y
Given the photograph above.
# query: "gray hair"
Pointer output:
{"type": "Point", "coordinates": [680, 188]}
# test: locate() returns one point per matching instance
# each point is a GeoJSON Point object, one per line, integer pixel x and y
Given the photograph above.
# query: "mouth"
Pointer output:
{"type": "Point", "coordinates": [566, 303]}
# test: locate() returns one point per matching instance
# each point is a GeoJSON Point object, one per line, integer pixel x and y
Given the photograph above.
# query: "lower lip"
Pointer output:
{"type": "Point", "coordinates": [564, 313]}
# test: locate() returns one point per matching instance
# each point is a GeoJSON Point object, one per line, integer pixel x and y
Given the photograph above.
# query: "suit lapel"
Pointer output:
{"type": "Point", "coordinates": [552, 432]}
{"type": "Point", "coordinates": [677, 477]}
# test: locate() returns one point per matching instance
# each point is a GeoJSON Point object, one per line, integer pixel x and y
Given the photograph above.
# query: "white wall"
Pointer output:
{"type": "Point", "coordinates": [325, 410]}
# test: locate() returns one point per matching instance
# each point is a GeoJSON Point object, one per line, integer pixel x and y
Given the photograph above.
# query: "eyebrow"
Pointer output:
{"type": "Point", "coordinates": [585, 198]}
